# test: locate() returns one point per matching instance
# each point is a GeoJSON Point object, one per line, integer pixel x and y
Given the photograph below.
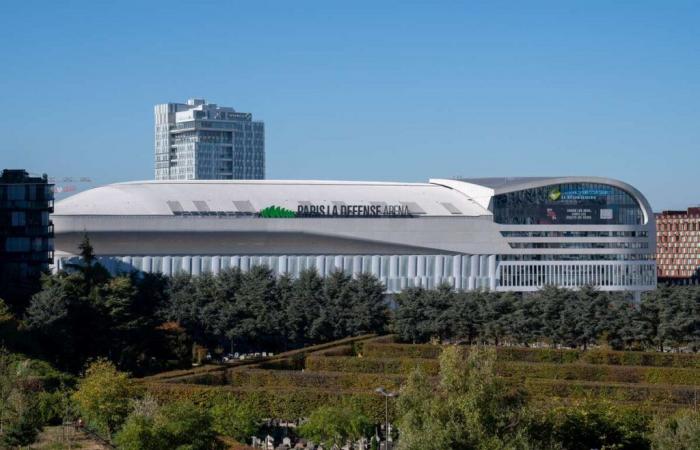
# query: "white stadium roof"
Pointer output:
{"type": "Point", "coordinates": [166, 198]}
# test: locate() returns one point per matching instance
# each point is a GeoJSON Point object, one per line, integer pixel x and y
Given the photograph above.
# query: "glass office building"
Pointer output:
{"type": "Point", "coordinates": [504, 234]}
{"type": "Point", "coordinates": [203, 141]}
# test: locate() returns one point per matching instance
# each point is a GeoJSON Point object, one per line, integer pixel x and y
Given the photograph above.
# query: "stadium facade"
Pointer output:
{"type": "Point", "coordinates": [503, 234]}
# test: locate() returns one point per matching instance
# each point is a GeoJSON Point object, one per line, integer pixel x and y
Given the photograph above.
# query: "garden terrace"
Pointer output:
{"type": "Point", "coordinates": [292, 384]}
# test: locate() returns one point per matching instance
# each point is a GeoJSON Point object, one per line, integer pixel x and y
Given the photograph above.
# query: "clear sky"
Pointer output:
{"type": "Point", "coordinates": [375, 90]}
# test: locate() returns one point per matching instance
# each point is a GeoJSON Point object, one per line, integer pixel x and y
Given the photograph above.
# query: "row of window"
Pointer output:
{"type": "Point", "coordinates": [638, 245]}
{"type": "Point", "coordinates": [574, 234]}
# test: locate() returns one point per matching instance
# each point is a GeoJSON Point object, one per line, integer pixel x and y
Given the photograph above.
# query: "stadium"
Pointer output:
{"type": "Point", "coordinates": [503, 234]}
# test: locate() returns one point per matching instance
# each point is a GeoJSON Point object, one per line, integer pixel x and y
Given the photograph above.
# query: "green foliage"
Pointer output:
{"type": "Point", "coordinates": [469, 408]}
{"type": "Point", "coordinates": [62, 318]}
{"type": "Point", "coordinates": [275, 212]}
{"type": "Point", "coordinates": [20, 421]}
{"type": "Point", "coordinates": [104, 395]}
{"type": "Point", "coordinates": [681, 431]}
{"type": "Point", "coordinates": [269, 379]}
{"type": "Point", "coordinates": [370, 365]}
{"type": "Point", "coordinates": [256, 311]}
{"type": "Point", "coordinates": [335, 425]}
{"type": "Point", "coordinates": [235, 418]}
{"type": "Point", "coordinates": [590, 425]}
{"type": "Point", "coordinates": [178, 425]}
{"type": "Point", "coordinates": [666, 318]}
{"type": "Point", "coordinates": [282, 403]}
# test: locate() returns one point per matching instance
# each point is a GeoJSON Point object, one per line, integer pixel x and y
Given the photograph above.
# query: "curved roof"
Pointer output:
{"type": "Point", "coordinates": [488, 187]}
{"type": "Point", "coordinates": [439, 197]}
{"type": "Point", "coordinates": [170, 197]}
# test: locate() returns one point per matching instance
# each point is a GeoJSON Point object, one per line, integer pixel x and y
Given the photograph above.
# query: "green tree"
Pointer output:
{"type": "Point", "coordinates": [470, 408]}
{"type": "Point", "coordinates": [681, 431]}
{"type": "Point", "coordinates": [104, 395]}
{"type": "Point", "coordinates": [598, 424]}
{"type": "Point", "coordinates": [179, 425]}
{"type": "Point", "coordinates": [20, 420]}
{"type": "Point", "coordinates": [235, 418]}
{"type": "Point", "coordinates": [304, 309]}
{"type": "Point", "coordinates": [336, 425]}
{"type": "Point", "coordinates": [368, 310]}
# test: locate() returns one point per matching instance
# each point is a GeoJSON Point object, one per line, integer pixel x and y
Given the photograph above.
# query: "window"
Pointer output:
{"type": "Point", "coordinates": [18, 219]}
{"type": "Point", "coordinates": [572, 204]}
{"type": "Point", "coordinates": [17, 244]}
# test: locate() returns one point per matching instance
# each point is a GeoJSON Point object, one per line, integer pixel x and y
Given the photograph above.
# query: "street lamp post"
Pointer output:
{"type": "Point", "coordinates": [387, 395]}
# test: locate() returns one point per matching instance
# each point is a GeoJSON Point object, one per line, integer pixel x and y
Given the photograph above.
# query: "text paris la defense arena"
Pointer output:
{"type": "Point", "coordinates": [503, 234]}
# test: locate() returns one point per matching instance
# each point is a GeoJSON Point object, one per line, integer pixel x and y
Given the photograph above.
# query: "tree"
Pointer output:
{"type": "Point", "coordinates": [470, 408]}
{"type": "Point", "coordinates": [597, 425]}
{"type": "Point", "coordinates": [178, 425]}
{"type": "Point", "coordinates": [368, 309]}
{"type": "Point", "coordinates": [236, 419]}
{"type": "Point", "coordinates": [304, 308]}
{"type": "Point", "coordinates": [336, 425]}
{"type": "Point", "coordinates": [681, 431]}
{"type": "Point", "coordinates": [20, 420]}
{"type": "Point", "coordinates": [104, 395]}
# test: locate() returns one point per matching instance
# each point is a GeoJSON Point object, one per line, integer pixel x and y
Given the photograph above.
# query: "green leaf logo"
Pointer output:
{"type": "Point", "coordinates": [277, 212]}
{"type": "Point", "coordinates": [555, 194]}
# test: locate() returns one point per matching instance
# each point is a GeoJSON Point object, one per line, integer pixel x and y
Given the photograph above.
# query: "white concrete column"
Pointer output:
{"type": "Point", "coordinates": [492, 272]}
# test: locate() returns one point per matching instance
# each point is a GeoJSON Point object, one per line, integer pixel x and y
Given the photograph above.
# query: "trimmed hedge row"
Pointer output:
{"type": "Point", "coordinates": [289, 404]}
{"type": "Point", "coordinates": [367, 373]}
{"type": "Point", "coordinates": [286, 359]}
{"type": "Point", "coordinates": [390, 350]}
{"type": "Point", "coordinates": [599, 372]}
{"type": "Point", "coordinates": [398, 366]}
{"type": "Point", "coordinates": [255, 378]}
{"type": "Point", "coordinates": [616, 392]}
{"type": "Point", "coordinates": [377, 349]}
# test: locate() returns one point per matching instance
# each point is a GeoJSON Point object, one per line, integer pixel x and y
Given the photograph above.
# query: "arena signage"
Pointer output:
{"type": "Point", "coordinates": [577, 193]}
{"type": "Point", "coordinates": [331, 210]}
{"type": "Point", "coordinates": [352, 210]}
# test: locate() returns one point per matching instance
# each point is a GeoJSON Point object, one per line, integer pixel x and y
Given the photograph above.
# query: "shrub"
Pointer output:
{"type": "Point", "coordinates": [335, 425]}
{"type": "Point", "coordinates": [235, 418]}
{"type": "Point", "coordinates": [180, 425]}
{"type": "Point", "coordinates": [590, 425]}
{"type": "Point", "coordinates": [678, 432]}
{"type": "Point", "coordinates": [104, 395]}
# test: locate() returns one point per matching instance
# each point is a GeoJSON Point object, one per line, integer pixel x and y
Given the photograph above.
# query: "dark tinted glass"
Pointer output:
{"type": "Point", "coordinates": [568, 204]}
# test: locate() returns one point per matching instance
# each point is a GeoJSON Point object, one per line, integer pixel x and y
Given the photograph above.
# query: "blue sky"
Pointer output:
{"type": "Point", "coordinates": [390, 90]}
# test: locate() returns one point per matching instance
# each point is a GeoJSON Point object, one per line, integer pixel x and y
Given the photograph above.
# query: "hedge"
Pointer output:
{"type": "Point", "coordinates": [382, 350]}
{"type": "Point", "coordinates": [399, 366]}
{"type": "Point", "coordinates": [319, 380]}
{"type": "Point", "coordinates": [282, 359]}
{"type": "Point", "coordinates": [288, 404]}
{"type": "Point", "coordinates": [376, 349]}
{"type": "Point", "coordinates": [600, 372]}
{"type": "Point", "coordinates": [616, 392]}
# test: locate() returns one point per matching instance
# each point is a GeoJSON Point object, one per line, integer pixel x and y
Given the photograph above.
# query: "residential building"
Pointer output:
{"type": "Point", "coordinates": [203, 141]}
{"type": "Point", "coordinates": [26, 232]}
{"type": "Point", "coordinates": [678, 246]}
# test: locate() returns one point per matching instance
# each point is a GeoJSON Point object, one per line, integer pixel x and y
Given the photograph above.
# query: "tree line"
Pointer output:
{"type": "Point", "coordinates": [146, 323]}
{"type": "Point", "coordinates": [667, 318]}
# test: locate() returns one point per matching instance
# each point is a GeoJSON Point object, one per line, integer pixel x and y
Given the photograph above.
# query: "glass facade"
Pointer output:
{"type": "Point", "coordinates": [568, 204]}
